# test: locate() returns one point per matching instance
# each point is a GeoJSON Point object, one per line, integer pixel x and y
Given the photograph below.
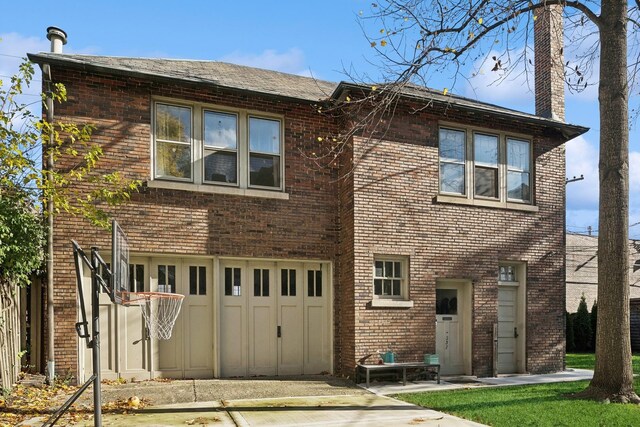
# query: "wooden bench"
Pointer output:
{"type": "Point", "coordinates": [396, 367]}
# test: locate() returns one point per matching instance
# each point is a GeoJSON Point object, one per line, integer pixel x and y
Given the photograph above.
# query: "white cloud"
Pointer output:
{"type": "Point", "coordinates": [291, 61]}
{"type": "Point", "coordinates": [13, 48]}
{"type": "Point", "coordinates": [504, 86]}
{"type": "Point", "coordinates": [582, 159]}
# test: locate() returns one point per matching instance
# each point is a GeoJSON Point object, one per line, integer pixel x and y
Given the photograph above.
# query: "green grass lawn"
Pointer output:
{"type": "Point", "coordinates": [533, 405]}
{"type": "Point", "coordinates": [588, 361]}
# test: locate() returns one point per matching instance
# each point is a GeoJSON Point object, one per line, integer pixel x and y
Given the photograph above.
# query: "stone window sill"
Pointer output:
{"type": "Point", "coordinates": [461, 200]}
{"type": "Point", "coordinates": [390, 303]}
{"type": "Point", "coordinates": [213, 189]}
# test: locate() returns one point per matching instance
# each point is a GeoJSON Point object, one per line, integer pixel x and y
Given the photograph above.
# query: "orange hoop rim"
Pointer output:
{"type": "Point", "coordinates": [132, 297]}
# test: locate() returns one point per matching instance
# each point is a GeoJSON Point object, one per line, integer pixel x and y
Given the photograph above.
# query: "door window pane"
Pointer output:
{"type": "Point", "coordinates": [136, 277]}
{"type": "Point", "coordinates": [193, 280]}
{"type": "Point", "coordinates": [292, 283]}
{"type": "Point", "coordinates": [202, 280]}
{"type": "Point", "coordinates": [446, 301]}
{"type": "Point", "coordinates": [314, 283]}
{"type": "Point", "coordinates": [236, 282]}
{"type": "Point", "coordinates": [284, 282]}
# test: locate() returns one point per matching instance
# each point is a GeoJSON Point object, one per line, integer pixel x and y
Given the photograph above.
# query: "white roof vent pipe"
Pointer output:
{"type": "Point", "coordinates": [58, 39]}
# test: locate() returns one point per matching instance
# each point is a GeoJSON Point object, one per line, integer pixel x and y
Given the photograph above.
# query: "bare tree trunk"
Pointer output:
{"type": "Point", "coordinates": [613, 377]}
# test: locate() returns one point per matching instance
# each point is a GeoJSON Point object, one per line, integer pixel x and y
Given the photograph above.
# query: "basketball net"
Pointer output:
{"type": "Point", "coordinates": [160, 311]}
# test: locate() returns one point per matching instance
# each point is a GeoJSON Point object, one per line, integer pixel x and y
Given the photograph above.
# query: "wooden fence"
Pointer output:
{"type": "Point", "coordinates": [9, 334]}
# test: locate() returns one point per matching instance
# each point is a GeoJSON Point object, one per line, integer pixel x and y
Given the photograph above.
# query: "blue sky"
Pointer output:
{"type": "Point", "coordinates": [318, 38]}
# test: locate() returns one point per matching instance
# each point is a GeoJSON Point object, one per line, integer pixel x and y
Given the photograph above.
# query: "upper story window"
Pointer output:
{"type": "Point", "coordinates": [486, 166]}
{"type": "Point", "coordinates": [173, 142]}
{"type": "Point", "coordinates": [202, 145]}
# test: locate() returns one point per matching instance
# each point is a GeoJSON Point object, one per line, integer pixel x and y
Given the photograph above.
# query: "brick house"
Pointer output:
{"type": "Point", "coordinates": [451, 224]}
{"type": "Point", "coordinates": [582, 270]}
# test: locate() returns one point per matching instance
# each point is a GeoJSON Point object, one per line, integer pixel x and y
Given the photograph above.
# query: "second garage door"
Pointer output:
{"type": "Point", "coordinates": [274, 318]}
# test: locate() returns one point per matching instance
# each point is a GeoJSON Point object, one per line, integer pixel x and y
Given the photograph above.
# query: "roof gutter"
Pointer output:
{"type": "Point", "coordinates": [568, 131]}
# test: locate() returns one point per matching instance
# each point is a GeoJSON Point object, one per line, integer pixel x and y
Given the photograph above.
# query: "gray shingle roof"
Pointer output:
{"type": "Point", "coordinates": [207, 72]}
{"type": "Point", "coordinates": [275, 83]}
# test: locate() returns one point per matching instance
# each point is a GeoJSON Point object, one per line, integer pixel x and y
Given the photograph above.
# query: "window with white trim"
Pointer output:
{"type": "Point", "coordinates": [484, 165]}
{"type": "Point", "coordinates": [390, 277]}
{"type": "Point", "coordinates": [201, 144]}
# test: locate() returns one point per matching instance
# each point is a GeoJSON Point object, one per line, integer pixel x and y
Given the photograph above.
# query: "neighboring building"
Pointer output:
{"type": "Point", "coordinates": [412, 243]}
{"type": "Point", "coordinates": [582, 270]}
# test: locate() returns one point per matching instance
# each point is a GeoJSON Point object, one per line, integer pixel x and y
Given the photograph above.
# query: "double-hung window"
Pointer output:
{"type": "Point", "coordinates": [264, 152]}
{"type": "Point", "coordinates": [217, 147]}
{"type": "Point", "coordinates": [220, 147]}
{"type": "Point", "coordinates": [173, 142]}
{"type": "Point", "coordinates": [518, 170]}
{"type": "Point", "coordinates": [389, 277]}
{"type": "Point", "coordinates": [492, 169]}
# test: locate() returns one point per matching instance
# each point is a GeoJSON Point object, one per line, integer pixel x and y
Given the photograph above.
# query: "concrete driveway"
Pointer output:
{"type": "Point", "coordinates": [293, 401]}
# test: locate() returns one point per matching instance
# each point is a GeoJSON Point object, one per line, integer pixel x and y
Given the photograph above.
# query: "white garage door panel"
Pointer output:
{"type": "Point", "coordinates": [232, 350]}
{"type": "Point", "coordinates": [107, 341]}
{"type": "Point", "coordinates": [262, 351]}
{"type": "Point", "coordinates": [200, 338]}
{"type": "Point", "coordinates": [135, 357]}
{"type": "Point", "coordinates": [290, 340]}
{"type": "Point", "coordinates": [316, 351]}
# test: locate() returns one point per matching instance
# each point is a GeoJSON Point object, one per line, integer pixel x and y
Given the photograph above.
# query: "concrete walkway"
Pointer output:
{"type": "Point", "coordinates": [453, 383]}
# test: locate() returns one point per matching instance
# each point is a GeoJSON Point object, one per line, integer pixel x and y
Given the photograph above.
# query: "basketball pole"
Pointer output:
{"type": "Point", "coordinates": [95, 337]}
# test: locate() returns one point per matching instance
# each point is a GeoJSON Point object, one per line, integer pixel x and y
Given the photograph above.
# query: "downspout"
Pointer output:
{"type": "Point", "coordinates": [58, 38]}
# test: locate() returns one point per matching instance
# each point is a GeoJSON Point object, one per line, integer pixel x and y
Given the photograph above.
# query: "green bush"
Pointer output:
{"type": "Point", "coordinates": [571, 344]}
{"type": "Point", "coordinates": [582, 327]}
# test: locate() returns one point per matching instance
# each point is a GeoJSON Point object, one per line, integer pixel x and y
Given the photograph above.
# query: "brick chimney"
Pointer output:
{"type": "Point", "coordinates": [549, 62]}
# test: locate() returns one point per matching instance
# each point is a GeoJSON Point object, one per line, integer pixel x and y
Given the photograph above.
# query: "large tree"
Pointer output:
{"type": "Point", "coordinates": [419, 39]}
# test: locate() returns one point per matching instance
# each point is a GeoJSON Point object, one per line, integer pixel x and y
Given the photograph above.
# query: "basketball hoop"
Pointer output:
{"type": "Point", "coordinates": [159, 309]}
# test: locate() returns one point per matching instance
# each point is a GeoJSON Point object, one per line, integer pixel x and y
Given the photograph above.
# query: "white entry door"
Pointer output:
{"type": "Point", "coordinates": [507, 329]}
{"type": "Point", "coordinates": [453, 328]}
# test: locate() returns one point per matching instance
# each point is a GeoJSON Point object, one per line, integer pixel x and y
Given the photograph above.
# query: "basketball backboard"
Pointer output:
{"type": "Point", "coordinates": [119, 264]}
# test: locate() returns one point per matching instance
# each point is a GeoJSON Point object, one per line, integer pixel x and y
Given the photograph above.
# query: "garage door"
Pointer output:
{"type": "Point", "coordinates": [274, 318]}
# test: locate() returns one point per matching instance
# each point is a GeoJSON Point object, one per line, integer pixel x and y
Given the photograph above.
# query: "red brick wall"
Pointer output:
{"type": "Point", "coordinates": [395, 213]}
{"type": "Point", "coordinates": [184, 222]}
